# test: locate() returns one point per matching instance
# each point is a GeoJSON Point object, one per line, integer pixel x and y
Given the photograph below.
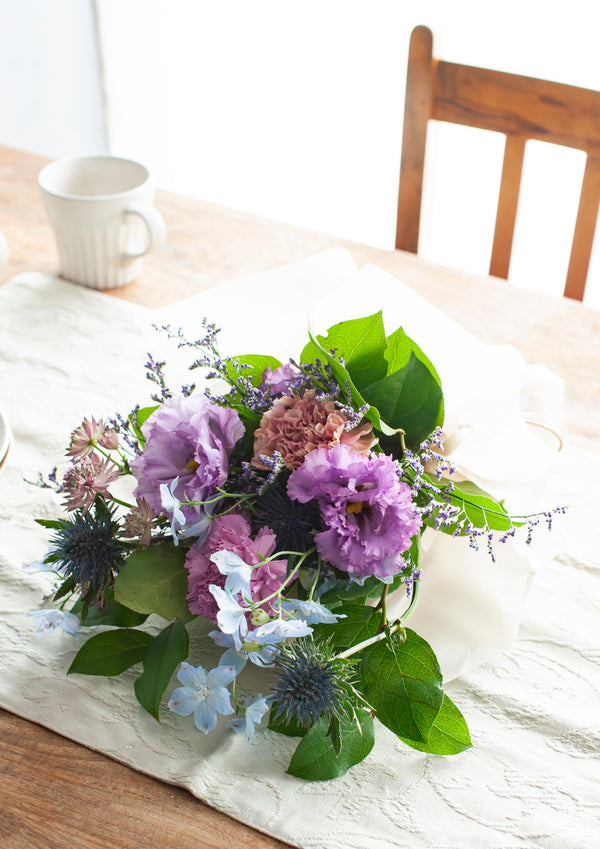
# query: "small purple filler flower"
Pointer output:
{"type": "Point", "coordinates": [367, 512]}
{"type": "Point", "coordinates": [189, 439]}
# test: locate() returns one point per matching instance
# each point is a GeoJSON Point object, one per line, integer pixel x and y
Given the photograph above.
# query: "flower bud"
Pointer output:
{"type": "Point", "coordinates": [259, 617]}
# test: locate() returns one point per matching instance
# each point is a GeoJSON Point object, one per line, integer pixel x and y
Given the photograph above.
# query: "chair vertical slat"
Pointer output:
{"type": "Point", "coordinates": [417, 112]}
{"type": "Point", "coordinates": [585, 227]}
{"type": "Point", "coordinates": [508, 201]}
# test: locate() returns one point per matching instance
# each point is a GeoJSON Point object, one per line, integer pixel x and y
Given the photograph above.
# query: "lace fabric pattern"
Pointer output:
{"type": "Point", "coordinates": [531, 778]}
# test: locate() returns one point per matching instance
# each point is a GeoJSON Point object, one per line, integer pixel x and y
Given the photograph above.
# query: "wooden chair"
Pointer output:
{"type": "Point", "coordinates": [522, 108]}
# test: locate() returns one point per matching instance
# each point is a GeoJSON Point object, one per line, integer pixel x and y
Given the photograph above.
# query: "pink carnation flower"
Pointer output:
{"type": "Point", "coordinates": [295, 426]}
{"type": "Point", "coordinates": [232, 533]}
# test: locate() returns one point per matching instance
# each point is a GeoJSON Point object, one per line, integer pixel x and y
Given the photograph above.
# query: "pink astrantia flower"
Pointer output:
{"type": "Point", "coordinates": [295, 426]}
{"type": "Point", "coordinates": [368, 515]}
{"type": "Point", "coordinates": [90, 434]}
{"type": "Point", "coordinates": [140, 521]}
{"type": "Point", "coordinates": [93, 475]}
{"type": "Point", "coordinates": [232, 533]}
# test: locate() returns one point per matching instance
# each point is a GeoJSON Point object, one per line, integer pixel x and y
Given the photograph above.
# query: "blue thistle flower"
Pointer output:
{"type": "Point", "coordinates": [293, 523]}
{"type": "Point", "coordinates": [310, 683]}
{"type": "Point", "coordinates": [87, 550]}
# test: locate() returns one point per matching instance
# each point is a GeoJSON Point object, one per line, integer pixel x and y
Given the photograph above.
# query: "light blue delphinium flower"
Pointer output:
{"type": "Point", "coordinates": [204, 694]}
{"type": "Point", "coordinates": [231, 617]}
{"type": "Point", "coordinates": [278, 630]}
{"type": "Point", "coordinates": [255, 708]}
{"type": "Point", "coordinates": [311, 612]}
{"type": "Point", "coordinates": [259, 655]}
{"type": "Point", "coordinates": [49, 620]}
{"type": "Point", "coordinates": [237, 572]}
{"type": "Point", "coordinates": [172, 507]}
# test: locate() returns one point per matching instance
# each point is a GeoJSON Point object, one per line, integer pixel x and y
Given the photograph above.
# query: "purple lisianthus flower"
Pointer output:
{"type": "Point", "coordinates": [188, 440]}
{"type": "Point", "coordinates": [368, 515]}
{"type": "Point", "coordinates": [281, 379]}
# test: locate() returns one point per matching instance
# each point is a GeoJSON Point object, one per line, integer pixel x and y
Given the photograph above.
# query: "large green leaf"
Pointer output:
{"type": "Point", "coordinates": [112, 613]}
{"type": "Point", "coordinates": [403, 682]}
{"type": "Point", "coordinates": [361, 622]}
{"type": "Point", "coordinates": [449, 734]}
{"type": "Point", "coordinates": [162, 657]}
{"type": "Point", "coordinates": [155, 581]}
{"type": "Point", "coordinates": [361, 342]}
{"type": "Point", "coordinates": [480, 508]}
{"type": "Point", "coordinates": [315, 758]}
{"type": "Point", "coordinates": [111, 652]}
{"type": "Point", "coordinates": [410, 399]}
{"type": "Point", "coordinates": [289, 728]}
{"type": "Point", "coordinates": [257, 362]}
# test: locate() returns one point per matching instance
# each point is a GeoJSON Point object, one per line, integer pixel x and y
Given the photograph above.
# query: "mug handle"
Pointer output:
{"type": "Point", "coordinates": [4, 252]}
{"type": "Point", "coordinates": [155, 225]}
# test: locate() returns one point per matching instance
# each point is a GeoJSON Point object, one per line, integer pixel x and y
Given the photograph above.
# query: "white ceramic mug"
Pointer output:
{"type": "Point", "coordinates": [100, 208]}
{"type": "Point", "coordinates": [4, 253]}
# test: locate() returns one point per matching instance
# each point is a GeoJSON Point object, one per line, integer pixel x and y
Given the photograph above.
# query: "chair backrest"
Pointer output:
{"type": "Point", "coordinates": [522, 108]}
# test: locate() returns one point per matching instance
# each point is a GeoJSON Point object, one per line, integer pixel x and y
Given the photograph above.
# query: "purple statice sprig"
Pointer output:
{"type": "Point", "coordinates": [445, 507]}
{"type": "Point", "coordinates": [48, 481]}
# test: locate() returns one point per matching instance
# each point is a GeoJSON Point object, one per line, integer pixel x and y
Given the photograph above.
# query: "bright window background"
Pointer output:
{"type": "Point", "coordinates": [292, 110]}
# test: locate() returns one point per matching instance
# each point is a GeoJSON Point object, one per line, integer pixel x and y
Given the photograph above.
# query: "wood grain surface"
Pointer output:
{"type": "Point", "coordinates": [56, 794]}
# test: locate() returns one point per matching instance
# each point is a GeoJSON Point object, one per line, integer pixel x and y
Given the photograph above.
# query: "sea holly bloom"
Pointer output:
{"type": "Point", "coordinates": [310, 682]}
{"type": "Point", "coordinates": [297, 425]}
{"type": "Point", "coordinates": [86, 549]}
{"type": "Point", "coordinates": [82, 482]}
{"type": "Point", "coordinates": [188, 440]}
{"type": "Point", "coordinates": [49, 620]}
{"type": "Point", "coordinates": [231, 533]}
{"type": "Point", "coordinates": [368, 515]}
{"type": "Point", "coordinates": [204, 694]}
{"type": "Point", "coordinates": [255, 708]}
{"type": "Point", "coordinates": [90, 434]}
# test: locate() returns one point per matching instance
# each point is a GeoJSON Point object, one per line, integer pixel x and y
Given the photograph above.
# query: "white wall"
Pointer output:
{"type": "Point", "coordinates": [292, 109]}
{"type": "Point", "coordinates": [50, 93]}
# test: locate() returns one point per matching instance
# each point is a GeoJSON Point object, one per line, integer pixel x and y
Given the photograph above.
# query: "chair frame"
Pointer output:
{"type": "Point", "coordinates": [520, 107]}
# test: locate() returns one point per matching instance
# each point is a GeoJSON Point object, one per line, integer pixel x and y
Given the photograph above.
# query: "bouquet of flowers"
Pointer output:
{"type": "Point", "coordinates": [282, 504]}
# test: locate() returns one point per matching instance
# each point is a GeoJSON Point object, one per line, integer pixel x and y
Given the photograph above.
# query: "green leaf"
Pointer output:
{"type": "Point", "coordinates": [400, 347]}
{"type": "Point", "coordinates": [361, 342]}
{"type": "Point", "coordinates": [54, 524]}
{"type": "Point", "coordinates": [138, 418]}
{"type": "Point", "coordinates": [162, 657]}
{"type": "Point", "coordinates": [290, 729]}
{"type": "Point", "coordinates": [155, 581]}
{"type": "Point", "coordinates": [112, 613]}
{"type": "Point", "coordinates": [449, 734]}
{"type": "Point", "coordinates": [403, 684]}
{"type": "Point", "coordinates": [111, 652]}
{"type": "Point", "coordinates": [410, 399]}
{"type": "Point", "coordinates": [67, 586]}
{"type": "Point", "coordinates": [349, 590]}
{"type": "Point", "coordinates": [478, 506]}
{"type": "Point", "coordinates": [315, 758]}
{"type": "Point", "coordinates": [258, 363]}
{"type": "Point", "coordinates": [361, 622]}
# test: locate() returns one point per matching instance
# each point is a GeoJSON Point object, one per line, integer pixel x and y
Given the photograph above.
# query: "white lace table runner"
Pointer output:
{"type": "Point", "coordinates": [531, 779]}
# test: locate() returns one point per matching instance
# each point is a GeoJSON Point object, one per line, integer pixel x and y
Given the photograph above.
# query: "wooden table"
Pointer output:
{"type": "Point", "coordinates": [55, 793]}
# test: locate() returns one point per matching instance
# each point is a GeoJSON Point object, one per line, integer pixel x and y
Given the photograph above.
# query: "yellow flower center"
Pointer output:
{"type": "Point", "coordinates": [354, 506]}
